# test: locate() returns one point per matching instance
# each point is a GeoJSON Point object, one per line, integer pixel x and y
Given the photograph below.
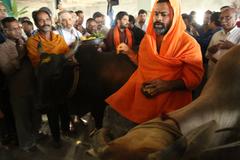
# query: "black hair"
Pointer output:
{"type": "Point", "coordinates": [208, 12]}
{"type": "Point", "coordinates": [142, 11]}
{"type": "Point", "coordinates": [215, 18]}
{"type": "Point", "coordinates": [224, 7]}
{"type": "Point", "coordinates": [79, 12]}
{"type": "Point", "coordinates": [36, 13]}
{"type": "Point", "coordinates": [162, 1]}
{"type": "Point", "coordinates": [28, 22]}
{"type": "Point", "coordinates": [7, 20]}
{"type": "Point", "coordinates": [120, 15]}
{"type": "Point", "coordinates": [97, 14]}
{"type": "Point", "coordinates": [187, 16]}
{"type": "Point", "coordinates": [131, 19]}
{"type": "Point", "coordinates": [46, 9]}
{"type": "Point", "coordinates": [21, 19]}
{"type": "Point", "coordinates": [193, 12]}
{"type": "Point", "coordinates": [90, 20]}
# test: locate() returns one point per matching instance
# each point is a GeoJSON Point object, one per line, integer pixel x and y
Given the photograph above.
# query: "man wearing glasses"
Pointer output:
{"type": "Point", "coordinates": [224, 39]}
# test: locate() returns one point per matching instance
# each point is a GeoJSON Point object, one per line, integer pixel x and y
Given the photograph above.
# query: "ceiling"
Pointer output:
{"type": "Point", "coordinates": [131, 6]}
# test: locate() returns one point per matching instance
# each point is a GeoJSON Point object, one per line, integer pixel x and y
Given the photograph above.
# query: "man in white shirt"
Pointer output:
{"type": "Point", "coordinates": [224, 39]}
{"type": "Point", "coordinates": [67, 29]}
{"type": "Point", "coordinates": [141, 20]}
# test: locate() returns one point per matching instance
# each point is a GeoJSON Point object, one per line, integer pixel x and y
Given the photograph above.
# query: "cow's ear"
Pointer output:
{"type": "Point", "coordinates": [40, 48]}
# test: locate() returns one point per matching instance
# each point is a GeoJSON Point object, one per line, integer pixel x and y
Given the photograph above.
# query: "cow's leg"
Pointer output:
{"type": "Point", "coordinates": [64, 117]}
{"type": "Point", "coordinates": [53, 121]}
{"type": "Point", "coordinates": [98, 113]}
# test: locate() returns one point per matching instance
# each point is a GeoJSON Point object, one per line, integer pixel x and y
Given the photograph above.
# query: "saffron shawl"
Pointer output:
{"type": "Point", "coordinates": [56, 45]}
{"type": "Point", "coordinates": [117, 37]}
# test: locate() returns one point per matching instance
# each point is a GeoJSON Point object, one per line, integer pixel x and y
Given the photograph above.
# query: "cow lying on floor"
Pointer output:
{"type": "Point", "coordinates": [217, 108]}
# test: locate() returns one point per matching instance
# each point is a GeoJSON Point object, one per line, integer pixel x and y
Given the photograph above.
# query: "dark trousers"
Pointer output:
{"type": "Point", "coordinates": [7, 124]}
{"type": "Point", "coordinates": [58, 115]}
{"type": "Point", "coordinates": [27, 119]}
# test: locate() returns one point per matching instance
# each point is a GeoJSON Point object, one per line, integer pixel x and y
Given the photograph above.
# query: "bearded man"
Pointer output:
{"type": "Point", "coordinates": [169, 68]}
{"type": "Point", "coordinates": [119, 33]}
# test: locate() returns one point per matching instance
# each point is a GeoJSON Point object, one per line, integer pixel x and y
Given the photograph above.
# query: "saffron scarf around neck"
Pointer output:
{"type": "Point", "coordinates": [116, 37]}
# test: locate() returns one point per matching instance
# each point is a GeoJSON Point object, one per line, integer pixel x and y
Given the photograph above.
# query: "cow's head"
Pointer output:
{"type": "Point", "coordinates": [52, 82]}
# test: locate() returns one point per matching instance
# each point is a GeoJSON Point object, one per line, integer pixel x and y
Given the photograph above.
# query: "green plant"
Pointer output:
{"type": "Point", "coordinates": [14, 11]}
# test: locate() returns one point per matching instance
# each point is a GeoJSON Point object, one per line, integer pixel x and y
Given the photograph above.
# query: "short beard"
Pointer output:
{"type": "Point", "coordinates": [142, 21]}
{"type": "Point", "coordinates": [122, 26]}
{"type": "Point", "coordinates": [160, 30]}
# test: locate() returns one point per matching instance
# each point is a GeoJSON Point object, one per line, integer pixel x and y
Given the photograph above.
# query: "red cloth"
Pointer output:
{"type": "Point", "coordinates": [179, 58]}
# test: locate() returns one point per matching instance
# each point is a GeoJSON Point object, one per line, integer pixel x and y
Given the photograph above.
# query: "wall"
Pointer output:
{"type": "Point", "coordinates": [203, 5]}
{"type": "Point", "coordinates": [131, 6]}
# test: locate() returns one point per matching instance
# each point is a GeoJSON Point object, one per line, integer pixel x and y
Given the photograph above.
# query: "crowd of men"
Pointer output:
{"type": "Point", "coordinates": [170, 54]}
{"type": "Point", "coordinates": [19, 41]}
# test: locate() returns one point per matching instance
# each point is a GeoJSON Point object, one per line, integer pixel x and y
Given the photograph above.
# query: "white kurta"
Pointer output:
{"type": "Point", "coordinates": [232, 36]}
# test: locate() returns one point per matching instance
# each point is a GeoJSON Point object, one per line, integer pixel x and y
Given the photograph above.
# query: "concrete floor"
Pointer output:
{"type": "Point", "coordinates": [73, 148]}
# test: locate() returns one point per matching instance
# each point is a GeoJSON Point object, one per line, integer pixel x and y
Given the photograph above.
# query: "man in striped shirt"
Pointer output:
{"type": "Point", "coordinates": [223, 40]}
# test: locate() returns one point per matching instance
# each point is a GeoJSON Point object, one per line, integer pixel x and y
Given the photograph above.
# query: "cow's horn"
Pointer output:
{"type": "Point", "coordinates": [40, 48]}
{"type": "Point", "coordinates": [73, 49]}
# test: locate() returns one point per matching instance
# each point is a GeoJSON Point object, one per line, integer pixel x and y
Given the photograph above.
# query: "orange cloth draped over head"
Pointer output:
{"type": "Point", "coordinates": [56, 45]}
{"type": "Point", "coordinates": [179, 58]}
{"type": "Point", "coordinates": [116, 36]}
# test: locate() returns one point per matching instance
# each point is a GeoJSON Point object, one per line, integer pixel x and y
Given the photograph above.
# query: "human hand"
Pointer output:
{"type": "Point", "coordinates": [122, 48]}
{"type": "Point", "coordinates": [101, 47]}
{"type": "Point", "coordinates": [226, 44]}
{"type": "Point", "coordinates": [212, 58]}
{"type": "Point", "coordinates": [213, 49]}
{"type": "Point", "coordinates": [152, 88]}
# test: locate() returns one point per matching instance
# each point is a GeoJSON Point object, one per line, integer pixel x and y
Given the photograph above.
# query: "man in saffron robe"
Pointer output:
{"type": "Point", "coordinates": [119, 33]}
{"type": "Point", "coordinates": [169, 67]}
